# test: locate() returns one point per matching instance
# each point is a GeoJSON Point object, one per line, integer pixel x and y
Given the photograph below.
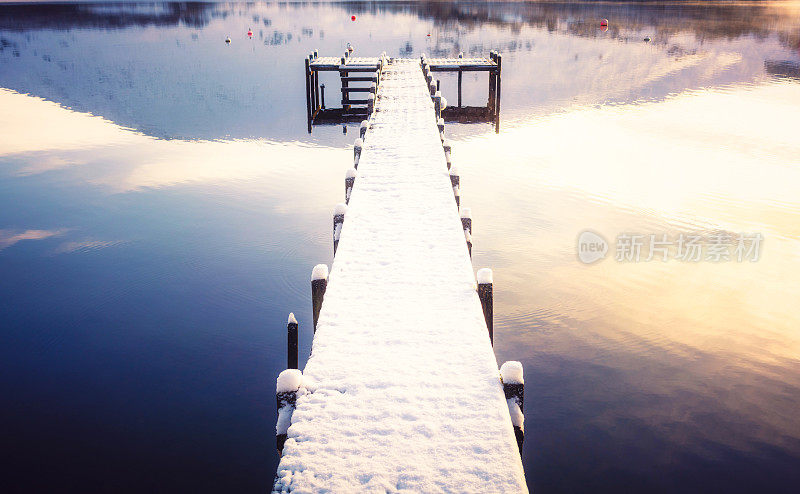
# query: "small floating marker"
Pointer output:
{"type": "Point", "coordinates": [429, 35]}
{"type": "Point", "coordinates": [604, 22]}
{"type": "Point", "coordinates": [647, 39]}
{"type": "Point", "coordinates": [228, 39]}
{"type": "Point", "coordinates": [250, 33]}
{"type": "Point", "coordinates": [352, 17]}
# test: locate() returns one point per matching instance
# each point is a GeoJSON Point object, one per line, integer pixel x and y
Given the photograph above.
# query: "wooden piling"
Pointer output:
{"type": "Point", "coordinates": [319, 282]}
{"type": "Point", "coordinates": [499, 60]}
{"type": "Point", "coordinates": [349, 181]}
{"type": "Point", "coordinates": [468, 238]}
{"type": "Point", "coordinates": [359, 144]}
{"type": "Point", "coordinates": [485, 295]}
{"type": "Point", "coordinates": [291, 340]}
{"type": "Point", "coordinates": [338, 222]}
{"type": "Point", "coordinates": [286, 388]}
{"type": "Point", "coordinates": [514, 390]}
{"type": "Point", "coordinates": [466, 219]}
{"type": "Point", "coordinates": [362, 130]}
{"type": "Point", "coordinates": [308, 94]}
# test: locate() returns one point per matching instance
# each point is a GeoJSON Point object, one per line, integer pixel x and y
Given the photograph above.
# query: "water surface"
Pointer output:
{"type": "Point", "coordinates": [161, 207]}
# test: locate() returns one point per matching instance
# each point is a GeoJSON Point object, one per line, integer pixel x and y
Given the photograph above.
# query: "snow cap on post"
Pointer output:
{"type": "Point", "coordinates": [292, 319]}
{"type": "Point", "coordinates": [340, 209]}
{"type": "Point", "coordinates": [453, 171]}
{"type": "Point", "coordinates": [363, 128]}
{"type": "Point", "coordinates": [289, 380]}
{"type": "Point", "coordinates": [443, 103]}
{"type": "Point", "coordinates": [485, 277]}
{"type": "Point", "coordinates": [351, 173]}
{"type": "Point", "coordinates": [320, 272]}
{"type": "Point", "coordinates": [511, 372]}
{"type": "Point", "coordinates": [465, 213]}
{"type": "Point", "coordinates": [446, 146]}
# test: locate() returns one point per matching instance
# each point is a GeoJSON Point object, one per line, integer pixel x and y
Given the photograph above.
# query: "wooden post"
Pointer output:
{"type": "Point", "coordinates": [468, 238]}
{"type": "Point", "coordinates": [338, 222]}
{"type": "Point", "coordinates": [492, 81]}
{"type": "Point", "coordinates": [343, 75]}
{"type": "Point", "coordinates": [438, 84]}
{"type": "Point", "coordinates": [514, 389]}
{"type": "Point", "coordinates": [460, 73]}
{"type": "Point", "coordinates": [499, 59]}
{"type": "Point", "coordinates": [314, 86]}
{"type": "Point", "coordinates": [362, 130]}
{"type": "Point", "coordinates": [359, 144]}
{"type": "Point", "coordinates": [286, 388]}
{"type": "Point", "coordinates": [371, 102]}
{"type": "Point", "coordinates": [319, 282]}
{"type": "Point", "coordinates": [437, 103]}
{"type": "Point", "coordinates": [432, 87]}
{"type": "Point", "coordinates": [308, 96]}
{"type": "Point", "coordinates": [349, 181]}
{"type": "Point", "coordinates": [455, 180]}
{"type": "Point", "coordinates": [466, 219]}
{"type": "Point", "coordinates": [440, 124]}
{"type": "Point", "coordinates": [457, 194]}
{"type": "Point", "coordinates": [485, 295]}
{"type": "Point", "coordinates": [459, 87]}
{"type": "Point", "coordinates": [322, 96]}
{"type": "Point", "coordinates": [291, 340]}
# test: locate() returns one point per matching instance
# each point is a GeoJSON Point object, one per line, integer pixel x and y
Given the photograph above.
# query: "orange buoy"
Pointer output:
{"type": "Point", "coordinates": [604, 22]}
{"type": "Point", "coordinates": [352, 17]}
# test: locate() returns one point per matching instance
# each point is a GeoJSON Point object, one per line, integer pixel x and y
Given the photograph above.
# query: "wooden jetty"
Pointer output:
{"type": "Point", "coordinates": [357, 75]}
{"type": "Point", "coordinates": [402, 391]}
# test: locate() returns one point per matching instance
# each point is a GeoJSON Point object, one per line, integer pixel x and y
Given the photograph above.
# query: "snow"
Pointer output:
{"type": "Point", "coordinates": [340, 208]}
{"type": "Point", "coordinates": [289, 380]}
{"type": "Point", "coordinates": [351, 173]}
{"type": "Point", "coordinates": [443, 104]}
{"type": "Point", "coordinates": [484, 277]}
{"type": "Point", "coordinates": [517, 418]}
{"type": "Point", "coordinates": [453, 170]}
{"type": "Point", "coordinates": [320, 272]}
{"type": "Point", "coordinates": [292, 320]}
{"type": "Point", "coordinates": [359, 143]}
{"type": "Point", "coordinates": [511, 371]}
{"type": "Point", "coordinates": [466, 213]}
{"type": "Point", "coordinates": [406, 393]}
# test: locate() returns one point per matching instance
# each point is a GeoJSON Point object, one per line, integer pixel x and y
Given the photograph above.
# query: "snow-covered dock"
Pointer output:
{"type": "Point", "coordinates": [402, 391]}
{"type": "Point", "coordinates": [357, 74]}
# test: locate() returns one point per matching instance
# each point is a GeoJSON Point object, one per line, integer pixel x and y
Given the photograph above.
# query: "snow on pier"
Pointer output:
{"type": "Point", "coordinates": [402, 391]}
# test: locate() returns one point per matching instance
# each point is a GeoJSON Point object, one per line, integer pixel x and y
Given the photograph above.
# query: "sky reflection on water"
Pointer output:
{"type": "Point", "coordinates": [161, 206]}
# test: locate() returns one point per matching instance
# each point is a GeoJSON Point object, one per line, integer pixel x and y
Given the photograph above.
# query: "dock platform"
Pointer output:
{"type": "Point", "coordinates": [402, 391]}
{"type": "Point", "coordinates": [357, 73]}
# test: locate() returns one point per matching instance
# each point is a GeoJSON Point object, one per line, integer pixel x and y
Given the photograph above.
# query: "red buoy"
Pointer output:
{"type": "Point", "coordinates": [352, 17]}
{"type": "Point", "coordinates": [604, 22]}
{"type": "Point", "coordinates": [250, 33]}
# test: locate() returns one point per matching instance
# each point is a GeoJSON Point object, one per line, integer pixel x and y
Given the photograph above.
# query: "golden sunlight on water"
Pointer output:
{"type": "Point", "coordinates": [705, 162]}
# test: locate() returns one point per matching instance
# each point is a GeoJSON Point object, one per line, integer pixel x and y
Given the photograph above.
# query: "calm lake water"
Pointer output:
{"type": "Point", "coordinates": [162, 205]}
